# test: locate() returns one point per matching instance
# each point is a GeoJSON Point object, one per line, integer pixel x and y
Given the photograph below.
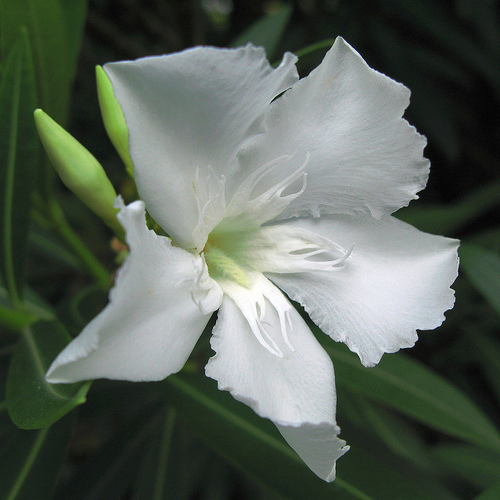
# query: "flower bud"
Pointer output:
{"type": "Point", "coordinates": [112, 116]}
{"type": "Point", "coordinates": [78, 169]}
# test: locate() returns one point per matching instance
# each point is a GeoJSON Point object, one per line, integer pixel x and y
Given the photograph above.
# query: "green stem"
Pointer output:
{"type": "Point", "coordinates": [166, 441]}
{"type": "Point", "coordinates": [95, 268]}
{"type": "Point", "coordinates": [28, 464]}
{"type": "Point", "coordinates": [324, 44]}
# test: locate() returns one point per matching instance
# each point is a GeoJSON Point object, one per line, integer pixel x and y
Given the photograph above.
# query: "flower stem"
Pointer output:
{"type": "Point", "coordinates": [165, 445]}
{"type": "Point", "coordinates": [95, 268]}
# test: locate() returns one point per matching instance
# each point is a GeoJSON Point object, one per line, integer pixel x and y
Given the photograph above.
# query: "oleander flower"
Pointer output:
{"type": "Point", "coordinates": [266, 185]}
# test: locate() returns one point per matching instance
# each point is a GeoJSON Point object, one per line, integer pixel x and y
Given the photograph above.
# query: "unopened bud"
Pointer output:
{"type": "Point", "coordinates": [78, 169]}
{"type": "Point", "coordinates": [113, 118]}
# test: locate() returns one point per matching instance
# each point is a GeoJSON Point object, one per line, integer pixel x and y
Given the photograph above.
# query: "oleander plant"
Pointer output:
{"type": "Point", "coordinates": [249, 249]}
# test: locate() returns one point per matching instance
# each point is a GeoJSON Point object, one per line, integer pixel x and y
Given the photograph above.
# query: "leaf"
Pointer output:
{"type": "Point", "coordinates": [448, 219]}
{"type": "Point", "coordinates": [432, 20]}
{"type": "Point", "coordinates": [254, 446]}
{"type": "Point", "coordinates": [109, 473]}
{"type": "Point", "coordinates": [267, 31]}
{"type": "Point", "coordinates": [483, 270]}
{"type": "Point", "coordinates": [55, 45]}
{"type": "Point", "coordinates": [403, 384]}
{"type": "Point", "coordinates": [31, 460]}
{"type": "Point", "coordinates": [479, 467]}
{"type": "Point", "coordinates": [492, 493]}
{"type": "Point", "coordinates": [18, 164]}
{"type": "Point", "coordinates": [32, 402]}
{"type": "Point", "coordinates": [33, 309]}
{"type": "Point", "coordinates": [154, 464]}
{"type": "Point", "coordinates": [394, 432]}
{"type": "Point", "coordinates": [487, 352]}
{"type": "Point", "coordinates": [43, 243]}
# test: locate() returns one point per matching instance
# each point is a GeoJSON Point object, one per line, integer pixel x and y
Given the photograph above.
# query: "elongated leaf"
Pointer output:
{"type": "Point", "coordinates": [43, 243]}
{"type": "Point", "coordinates": [31, 460]}
{"type": "Point", "coordinates": [480, 467]}
{"type": "Point", "coordinates": [483, 270]}
{"type": "Point", "coordinates": [406, 385]}
{"type": "Point", "coordinates": [32, 402]}
{"type": "Point", "coordinates": [487, 350]}
{"type": "Point", "coordinates": [108, 474]}
{"type": "Point", "coordinates": [266, 32]}
{"type": "Point", "coordinates": [432, 21]}
{"type": "Point", "coordinates": [394, 432]}
{"type": "Point", "coordinates": [55, 45]}
{"type": "Point", "coordinates": [152, 480]}
{"type": "Point", "coordinates": [492, 493]}
{"type": "Point", "coordinates": [447, 219]}
{"type": "Point", "coordinates": [18, 163]}
{"type": "Point", "coordinates": [33, 309]}
{"type": "Point", "coordinates": [254, 446]}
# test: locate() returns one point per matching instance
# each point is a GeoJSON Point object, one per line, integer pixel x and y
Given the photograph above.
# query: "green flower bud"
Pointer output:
{"type": "Point", "coordinates": [112, 116]}
{"type": "Point", "coordinates": [78, 169]}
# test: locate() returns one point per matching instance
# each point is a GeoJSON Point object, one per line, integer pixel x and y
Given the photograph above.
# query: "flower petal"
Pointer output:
{"type": "Point", "coordinates": [296, 391]}
{"type": "Point", "coordinates": [363, 156]}
{"type": "Point", "coordinates": [396, 280]}
{"type": "Point", "coordinates": [189, 111]}
{"type": "Point", "coordinates": [151, 324]}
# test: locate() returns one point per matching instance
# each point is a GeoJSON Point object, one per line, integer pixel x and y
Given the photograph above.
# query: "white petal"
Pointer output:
{"type": "Point", "coordinates": [396, 280]}
{"type": "Point", "coordinates": [192, 110]}
{"type": "Point", "coordinates": [296, 391]}
{"type": "Point", "coordinates": [151, 324]}
{"type": "Point", "coordinates": [364, 157]}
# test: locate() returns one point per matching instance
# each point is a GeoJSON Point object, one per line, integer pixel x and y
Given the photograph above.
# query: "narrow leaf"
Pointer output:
{"type": "Point", "coordinates": [32, 402]}
{"type": "Point", "coordinates": [266, 32]}
{"type": "Point", "coordinates": [18, 164]}
{"type": "Point", "coordinates": [483, 270]}
{"type": "Point", "coordinates": [492, 493]}
{"type": "Point", "coordinates": [487, 350]}
{"type": "Point", "coordinates": [480, 467]}
{"type": "Point", "coordinates": [254, 446]}
{"type": "Point", "coordinates": [448, 219]}
{"type": "Point", "coordinates": [108, 473]}
{"type": "Point", "coordinates": [403, 384]}
{"type": "Point", "coordinates": [55, 45]}
{"type": "Point", "coordinates": [31, 460]}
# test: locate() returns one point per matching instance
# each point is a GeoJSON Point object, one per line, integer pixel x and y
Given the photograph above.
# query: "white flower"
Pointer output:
{"type": "Point", "coordinates": [225, 169]}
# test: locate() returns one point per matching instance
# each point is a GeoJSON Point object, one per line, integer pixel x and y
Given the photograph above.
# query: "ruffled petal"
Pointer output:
{"type": "Point", "coordinates": [363, 156]}
{"type": "Point", "coordinates": [296, 390]}
{"type": "Point", "coordinates": [396, 280]}
{"type": "Point", "coordinates": [151, 324]}
{"type": "Point", "coordinates": [188, 115]}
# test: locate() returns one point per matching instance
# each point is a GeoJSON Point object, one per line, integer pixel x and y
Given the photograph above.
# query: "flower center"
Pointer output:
{"type": "Point", "coordinates": [221, 265]}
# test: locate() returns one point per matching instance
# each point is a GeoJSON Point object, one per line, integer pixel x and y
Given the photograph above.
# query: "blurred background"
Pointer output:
{"type": "Point", "coordinates": [448, 53]}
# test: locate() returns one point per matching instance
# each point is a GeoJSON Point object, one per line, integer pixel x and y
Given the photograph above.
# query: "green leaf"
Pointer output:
{"type": "Point", "coordinates": [44, 244]}
{"type": "Point", "coordinates": [479, 467]}
{"type": "Point", "coordinates": [440, 219]}
{"type": "Point", "coordinates": [267, 31]}
{"type": "Point", "coordinates": [108, 473]}
{"type": "Point", "coordinates": [254, 446]}
{"type": "Point", "coordinates": [396, 433]}
{"type": "Point", "coordinates": [152, 480]}
{"type": "Point", "coordinates": [433, 21]}
{"type": "Point", "coordinates": [33, 309]}
{"type": "Point", "coordinates": [403, 384]}
{"type": "Point", "coordinates": [492, 493]}
{"type": "Point", "coordinates": [55, 29]}
{"type": "Point", "coordinates": [32, 402]}
{"type": "Point", "coordinates": [31, 460]}
{"type": "Point", "coordinates": [483, 270]}
{"type": "Point", "coordinates": [487, 353]}
{"type": "Point", "coordinates": [18, 164]}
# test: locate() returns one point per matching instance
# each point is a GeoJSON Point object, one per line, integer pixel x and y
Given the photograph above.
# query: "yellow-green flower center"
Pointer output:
{"type": "Point", "coordinates": [221, 265]}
